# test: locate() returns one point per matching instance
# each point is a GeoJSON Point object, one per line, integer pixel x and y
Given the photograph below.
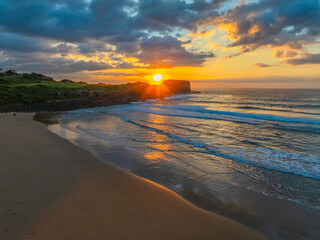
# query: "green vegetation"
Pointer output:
{"type": "Point", "coordinates": [33, 89]}
{"type": "Point", "coordinates": [36, 88]}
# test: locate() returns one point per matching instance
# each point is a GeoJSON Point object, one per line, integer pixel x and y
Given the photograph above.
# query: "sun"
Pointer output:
{"type": "Point", "coordinates": [157, 77]}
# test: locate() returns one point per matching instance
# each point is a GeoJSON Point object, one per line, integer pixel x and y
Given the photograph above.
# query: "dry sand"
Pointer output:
{"type": "Point", "coordinates": [51, 189]}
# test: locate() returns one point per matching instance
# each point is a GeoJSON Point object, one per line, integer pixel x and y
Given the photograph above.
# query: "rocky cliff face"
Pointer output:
{"type": "Point", "coordinates": [177, 86]}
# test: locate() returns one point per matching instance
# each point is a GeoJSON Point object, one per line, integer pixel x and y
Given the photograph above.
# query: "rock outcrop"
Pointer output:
{"type": "Point", "coordinates": [177, 86]}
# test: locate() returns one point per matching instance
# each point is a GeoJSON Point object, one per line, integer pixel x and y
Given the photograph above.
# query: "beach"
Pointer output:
{"type": "Point", "coordinates": [52, 189]}
{"type": "Point", "coordinates": [248, 155]}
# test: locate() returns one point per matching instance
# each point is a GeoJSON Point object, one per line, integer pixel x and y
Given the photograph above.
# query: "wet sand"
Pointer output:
{"type": "Point", "coordinates": [52, 189]}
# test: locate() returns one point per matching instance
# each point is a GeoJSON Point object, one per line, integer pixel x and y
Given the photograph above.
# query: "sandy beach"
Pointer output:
{"type": "Point", "coordinates": [52, 189]}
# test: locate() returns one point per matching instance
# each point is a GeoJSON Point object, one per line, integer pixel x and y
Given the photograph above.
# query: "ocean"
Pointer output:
{"type": "Point", "coordinates": [252, 155]}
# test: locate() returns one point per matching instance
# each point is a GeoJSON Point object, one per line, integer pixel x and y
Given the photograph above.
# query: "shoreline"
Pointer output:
{"type": "Point", "coordinates": [214, 205]}
{"type": "Point", "coordinates": [65, 105]}
{"type": "Point", "coordinates": [76, 196]}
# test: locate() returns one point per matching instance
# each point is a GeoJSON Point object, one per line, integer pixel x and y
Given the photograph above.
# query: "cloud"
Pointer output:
{"type": "Point", "coordinates": [263, 65]}
{"type": "Point", "coordinates": [202, 5]}
{"type": "Point", "coordinates": [291, 23]}
{"type": "Point", "coordinates": [88, 28]}
{"type": "Point", "coordinates": [35, 62]}
{"type": "Point", "coordinates": [65, 20]}
{"type": "Point", "coordinates": [17, 43]}
{"type": "Point", "coordinates": [167, 52]}
{"type": "Point", "coordinates": [242, 51]}
{"type": "Point", "coordinates": [81, 35]}
{"type": "Point", "coordinates": [41, 55]}
{"type": "Point", "coordinates": [307, 59]}
{"type": "Point", "coordinates": [162, 14]}
{"type": "Point", "coordinates": [269, 79]}
{"type": "Point", "coordinates": [285, 54]}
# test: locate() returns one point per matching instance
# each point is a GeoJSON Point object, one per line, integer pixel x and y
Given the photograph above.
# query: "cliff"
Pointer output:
{"type": "Point", "coordinates": [177, 86]}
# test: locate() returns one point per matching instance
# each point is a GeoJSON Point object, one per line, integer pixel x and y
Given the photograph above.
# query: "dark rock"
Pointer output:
{"type": "Point", "coordinates": [177, 87]}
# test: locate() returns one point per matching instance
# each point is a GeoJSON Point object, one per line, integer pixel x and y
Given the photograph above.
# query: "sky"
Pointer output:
{"type": "Point", "coordinates": [212, 43]}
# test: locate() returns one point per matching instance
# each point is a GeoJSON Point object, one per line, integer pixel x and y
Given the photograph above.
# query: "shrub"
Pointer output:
{"type": "Point", "coordinates": [10, 72]}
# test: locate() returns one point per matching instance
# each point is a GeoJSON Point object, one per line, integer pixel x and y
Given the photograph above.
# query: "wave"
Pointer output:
{"type": "Point", "coordinates": [189, 111]}
{"type": "Point", "coordinates": [277, 110]}
{"type": "Point", "coordinates": [178, 96]}
{"type": "Point", "coordinates": [266, 103]}
{"type": "Point", "coordinates": [295, 163]}
{"type": "Point", "coordinates": [300, 164]}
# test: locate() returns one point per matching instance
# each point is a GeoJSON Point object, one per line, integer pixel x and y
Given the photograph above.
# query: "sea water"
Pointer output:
{"type": "Point", "coordinates": [249, 154]}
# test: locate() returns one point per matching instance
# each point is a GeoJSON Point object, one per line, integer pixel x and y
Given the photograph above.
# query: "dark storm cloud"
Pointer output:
{"type": "Point", "coordinates": [14, 42]}
{"type": "Point", "coordinates": [307, 59]}
{"type": "Point", "coordinates": [74, 21]}
{"type": "Point", "coordinates": [43, 64]}
{"type": "Point", "coordinates": [34, 54]}
{"type": "Point", "coordinates": [168, 51]}
{"type": "Point", "coordinates": [202, 5]}
{"type": "Point", "coordinates": [67, 66]}
{"type": "Point", "coordinates": [93, 46]}
{"type": "Point", "coordinates": [66, 20]}
{"type": "Point", "coordinates": [32, 26]}
{"type": "Point", "coordinates": [165, 14]}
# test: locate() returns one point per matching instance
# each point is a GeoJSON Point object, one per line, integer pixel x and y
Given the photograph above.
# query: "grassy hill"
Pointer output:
{"type": "Point", "coordinates": [36, 88]}
{"type": "Point", "coordinates": [42, 92]}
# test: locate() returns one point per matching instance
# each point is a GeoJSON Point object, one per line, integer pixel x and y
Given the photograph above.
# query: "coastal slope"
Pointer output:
{"type": "Point", "coordinates": [36, 93]}
{"type": "Point", "coordinates": [52, 189]}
